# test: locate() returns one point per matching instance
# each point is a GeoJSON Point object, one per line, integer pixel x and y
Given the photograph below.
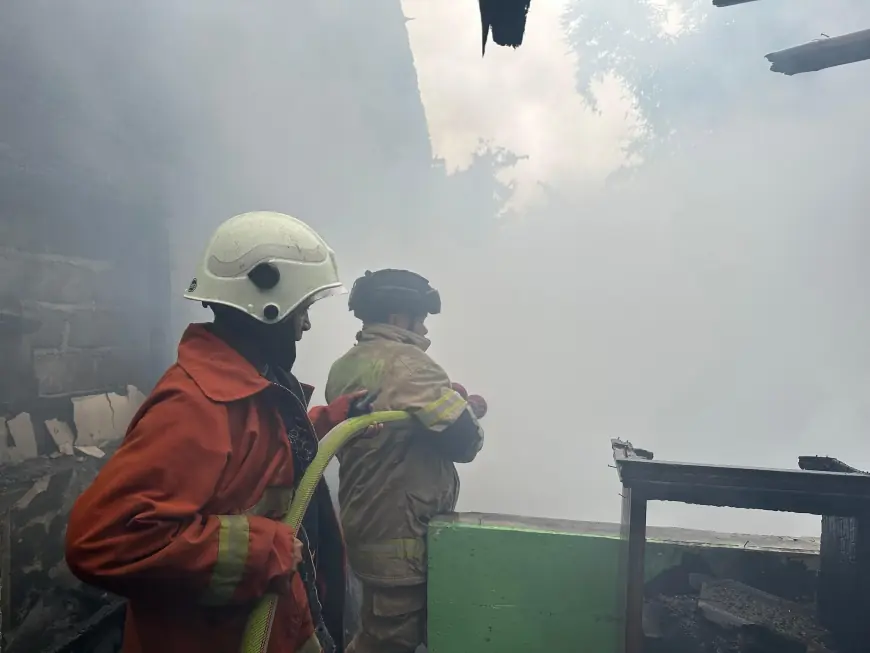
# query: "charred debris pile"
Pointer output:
{"type": "Point", "coordinates": [695, 612]}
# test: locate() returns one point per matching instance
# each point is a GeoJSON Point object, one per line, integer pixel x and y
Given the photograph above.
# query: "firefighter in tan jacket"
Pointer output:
{"type": "Point", "coordinates": [393, 482]}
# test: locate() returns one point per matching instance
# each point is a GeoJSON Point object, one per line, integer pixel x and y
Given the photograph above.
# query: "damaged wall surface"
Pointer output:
{"type": "Point", "coordinates": [69, 389]}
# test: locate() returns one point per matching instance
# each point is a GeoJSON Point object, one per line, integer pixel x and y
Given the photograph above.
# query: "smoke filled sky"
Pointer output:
{"type": "Point", "coordinates": [712, 306]}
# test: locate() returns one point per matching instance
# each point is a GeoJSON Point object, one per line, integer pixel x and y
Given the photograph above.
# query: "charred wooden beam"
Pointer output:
{"type": "Point", "coordinates": [506, 19]}
{"type": "Point", "coordinates": [730, 3]}
{"type": "Point", "coordinates": [821, 54]}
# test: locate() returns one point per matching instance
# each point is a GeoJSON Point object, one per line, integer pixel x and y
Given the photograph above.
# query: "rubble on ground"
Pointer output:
{"type": "Point", "coordinates": [712, 615]}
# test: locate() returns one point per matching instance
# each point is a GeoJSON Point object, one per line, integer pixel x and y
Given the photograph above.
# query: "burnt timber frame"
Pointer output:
{"type": "Point", "coordinates": [821, 54]}
{"type": "Point", "coordinates": [645, 479]}
{"type": "Point", "coordinates": [730, 3]}
{"type": "Point", "coordinates": [818, 54]}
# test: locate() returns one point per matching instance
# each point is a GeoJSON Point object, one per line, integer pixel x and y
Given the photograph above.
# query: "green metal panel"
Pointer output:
{"type": "Point", "coordinates": [513, 585]}
{"type": "Point", "coordinates": [524, 591]}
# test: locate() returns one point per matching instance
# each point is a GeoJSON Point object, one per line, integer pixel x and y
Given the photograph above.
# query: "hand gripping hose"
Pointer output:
{"type": "Point", "coordinates": [259, 627]}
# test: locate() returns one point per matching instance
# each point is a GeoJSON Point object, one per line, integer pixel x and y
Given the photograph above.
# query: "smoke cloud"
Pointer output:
{"type": "Point", "coordinates": [710, 306]}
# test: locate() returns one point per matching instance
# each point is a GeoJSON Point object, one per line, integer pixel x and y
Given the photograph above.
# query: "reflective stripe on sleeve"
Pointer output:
{"type": "Point", "coordinates": [229, 570]}
{"type": "Point", "coordinates": [442, 412]}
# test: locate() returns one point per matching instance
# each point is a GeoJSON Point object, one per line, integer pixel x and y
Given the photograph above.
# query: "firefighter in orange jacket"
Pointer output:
{"type": "Point", "coordinates": [184, 519]}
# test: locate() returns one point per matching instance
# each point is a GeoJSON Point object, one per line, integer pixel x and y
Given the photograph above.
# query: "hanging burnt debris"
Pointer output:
{"type": "Point", "coordinates": [822, 53]}
{"type": "Point", "coordinates": [506, 19]}
{"type": "Point", "coordinates": [730, 3]}
{"type": "Point", "coordinates": [819, 54]}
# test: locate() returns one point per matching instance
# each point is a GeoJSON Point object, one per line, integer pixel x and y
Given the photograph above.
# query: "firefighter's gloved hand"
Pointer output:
{"type": "Point", "coordinates": [361, 403]}
{"type": "Point", "coordinates": [478, 405]}
{"type": "Point", "coordinates": [475, 402]}
{"type": "Point", "coordinates": [283, 584]}
{"type": "Point", "coordinates": [325, 418]}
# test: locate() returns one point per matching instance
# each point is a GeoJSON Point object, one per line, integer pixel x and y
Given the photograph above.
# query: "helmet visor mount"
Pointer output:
{"type": "Point", "coordinates": [323, 294]}
{"type": "Point", "coordinates": [317, 295]}
{"type": "Point", "coordinates": [432, 302]}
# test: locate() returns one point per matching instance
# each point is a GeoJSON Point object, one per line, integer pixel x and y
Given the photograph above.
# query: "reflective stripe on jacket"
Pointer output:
{"type": "Point", "coordinates": [393, 483]}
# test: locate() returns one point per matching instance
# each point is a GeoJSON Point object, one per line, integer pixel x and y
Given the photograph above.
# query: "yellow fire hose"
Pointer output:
{"type": "Point", "coordinates": [259, 627]}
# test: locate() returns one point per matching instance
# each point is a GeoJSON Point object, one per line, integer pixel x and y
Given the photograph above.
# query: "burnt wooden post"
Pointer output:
{"type": "Point", "coordinates": [633, 536]}
{"type": "Point", "coordinates": [634, 544]}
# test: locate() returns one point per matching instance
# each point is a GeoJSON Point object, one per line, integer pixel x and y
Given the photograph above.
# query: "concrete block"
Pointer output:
{"type": "Point", "coordinates": [53, 279]}
{"type": "Point", "coordinates": [80, 371]}
{"type": "Point", "coordinates": [100, 419]}
{"type": "Point", "coordinates": [125, 407]}
{"type": "Point", "coordinates": [93, 420]}
{"type": "Point", "coordinates": [94, 328]}
{"type": "Point", "coordinates": [23, 437]}
{"type": "Point", "coordinates": [62, 435]}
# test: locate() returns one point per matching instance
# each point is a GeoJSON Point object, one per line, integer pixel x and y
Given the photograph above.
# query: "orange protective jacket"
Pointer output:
{"type": "Point", "coordinates": [182, 519]}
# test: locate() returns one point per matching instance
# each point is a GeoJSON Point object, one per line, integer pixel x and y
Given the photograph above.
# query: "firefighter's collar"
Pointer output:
{"type": "Point", "coordinates": [219, 370]}
{"type": "Point", "coordinates": [390, 332]}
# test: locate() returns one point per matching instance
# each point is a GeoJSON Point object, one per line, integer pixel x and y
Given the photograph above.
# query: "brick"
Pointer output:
{"type": "Point", "coordinates": [94, 328]}
{"type": "Point", "coordinates": [53, 279]}
{"type": "Point", "coordinates": [81, 371]}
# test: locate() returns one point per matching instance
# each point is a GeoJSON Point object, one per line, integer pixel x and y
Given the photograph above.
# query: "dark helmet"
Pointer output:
{"type": "Point", "coordinates": [383, 292]}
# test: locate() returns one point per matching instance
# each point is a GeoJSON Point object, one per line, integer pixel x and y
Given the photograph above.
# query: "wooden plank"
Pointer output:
{"type": "Point", "coordinates": [821, 54]}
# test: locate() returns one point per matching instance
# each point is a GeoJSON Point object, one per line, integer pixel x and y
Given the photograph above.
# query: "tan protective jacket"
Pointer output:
{"type": "Point", "coordinates": [393, 483]}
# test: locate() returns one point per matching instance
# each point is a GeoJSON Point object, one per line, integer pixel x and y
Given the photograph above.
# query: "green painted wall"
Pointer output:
{"type": "Point", "coordinates": [506, 584]}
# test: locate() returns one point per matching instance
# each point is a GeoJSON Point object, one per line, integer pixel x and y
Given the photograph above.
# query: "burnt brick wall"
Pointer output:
{"type": "Point", "coordinates": [82, 310]}
{"type": "Point", "coordinates": [79, 344]}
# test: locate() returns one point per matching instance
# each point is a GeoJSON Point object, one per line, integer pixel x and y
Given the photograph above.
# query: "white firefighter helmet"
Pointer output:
{"type": "Point", "coordinates": [267, 265]}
